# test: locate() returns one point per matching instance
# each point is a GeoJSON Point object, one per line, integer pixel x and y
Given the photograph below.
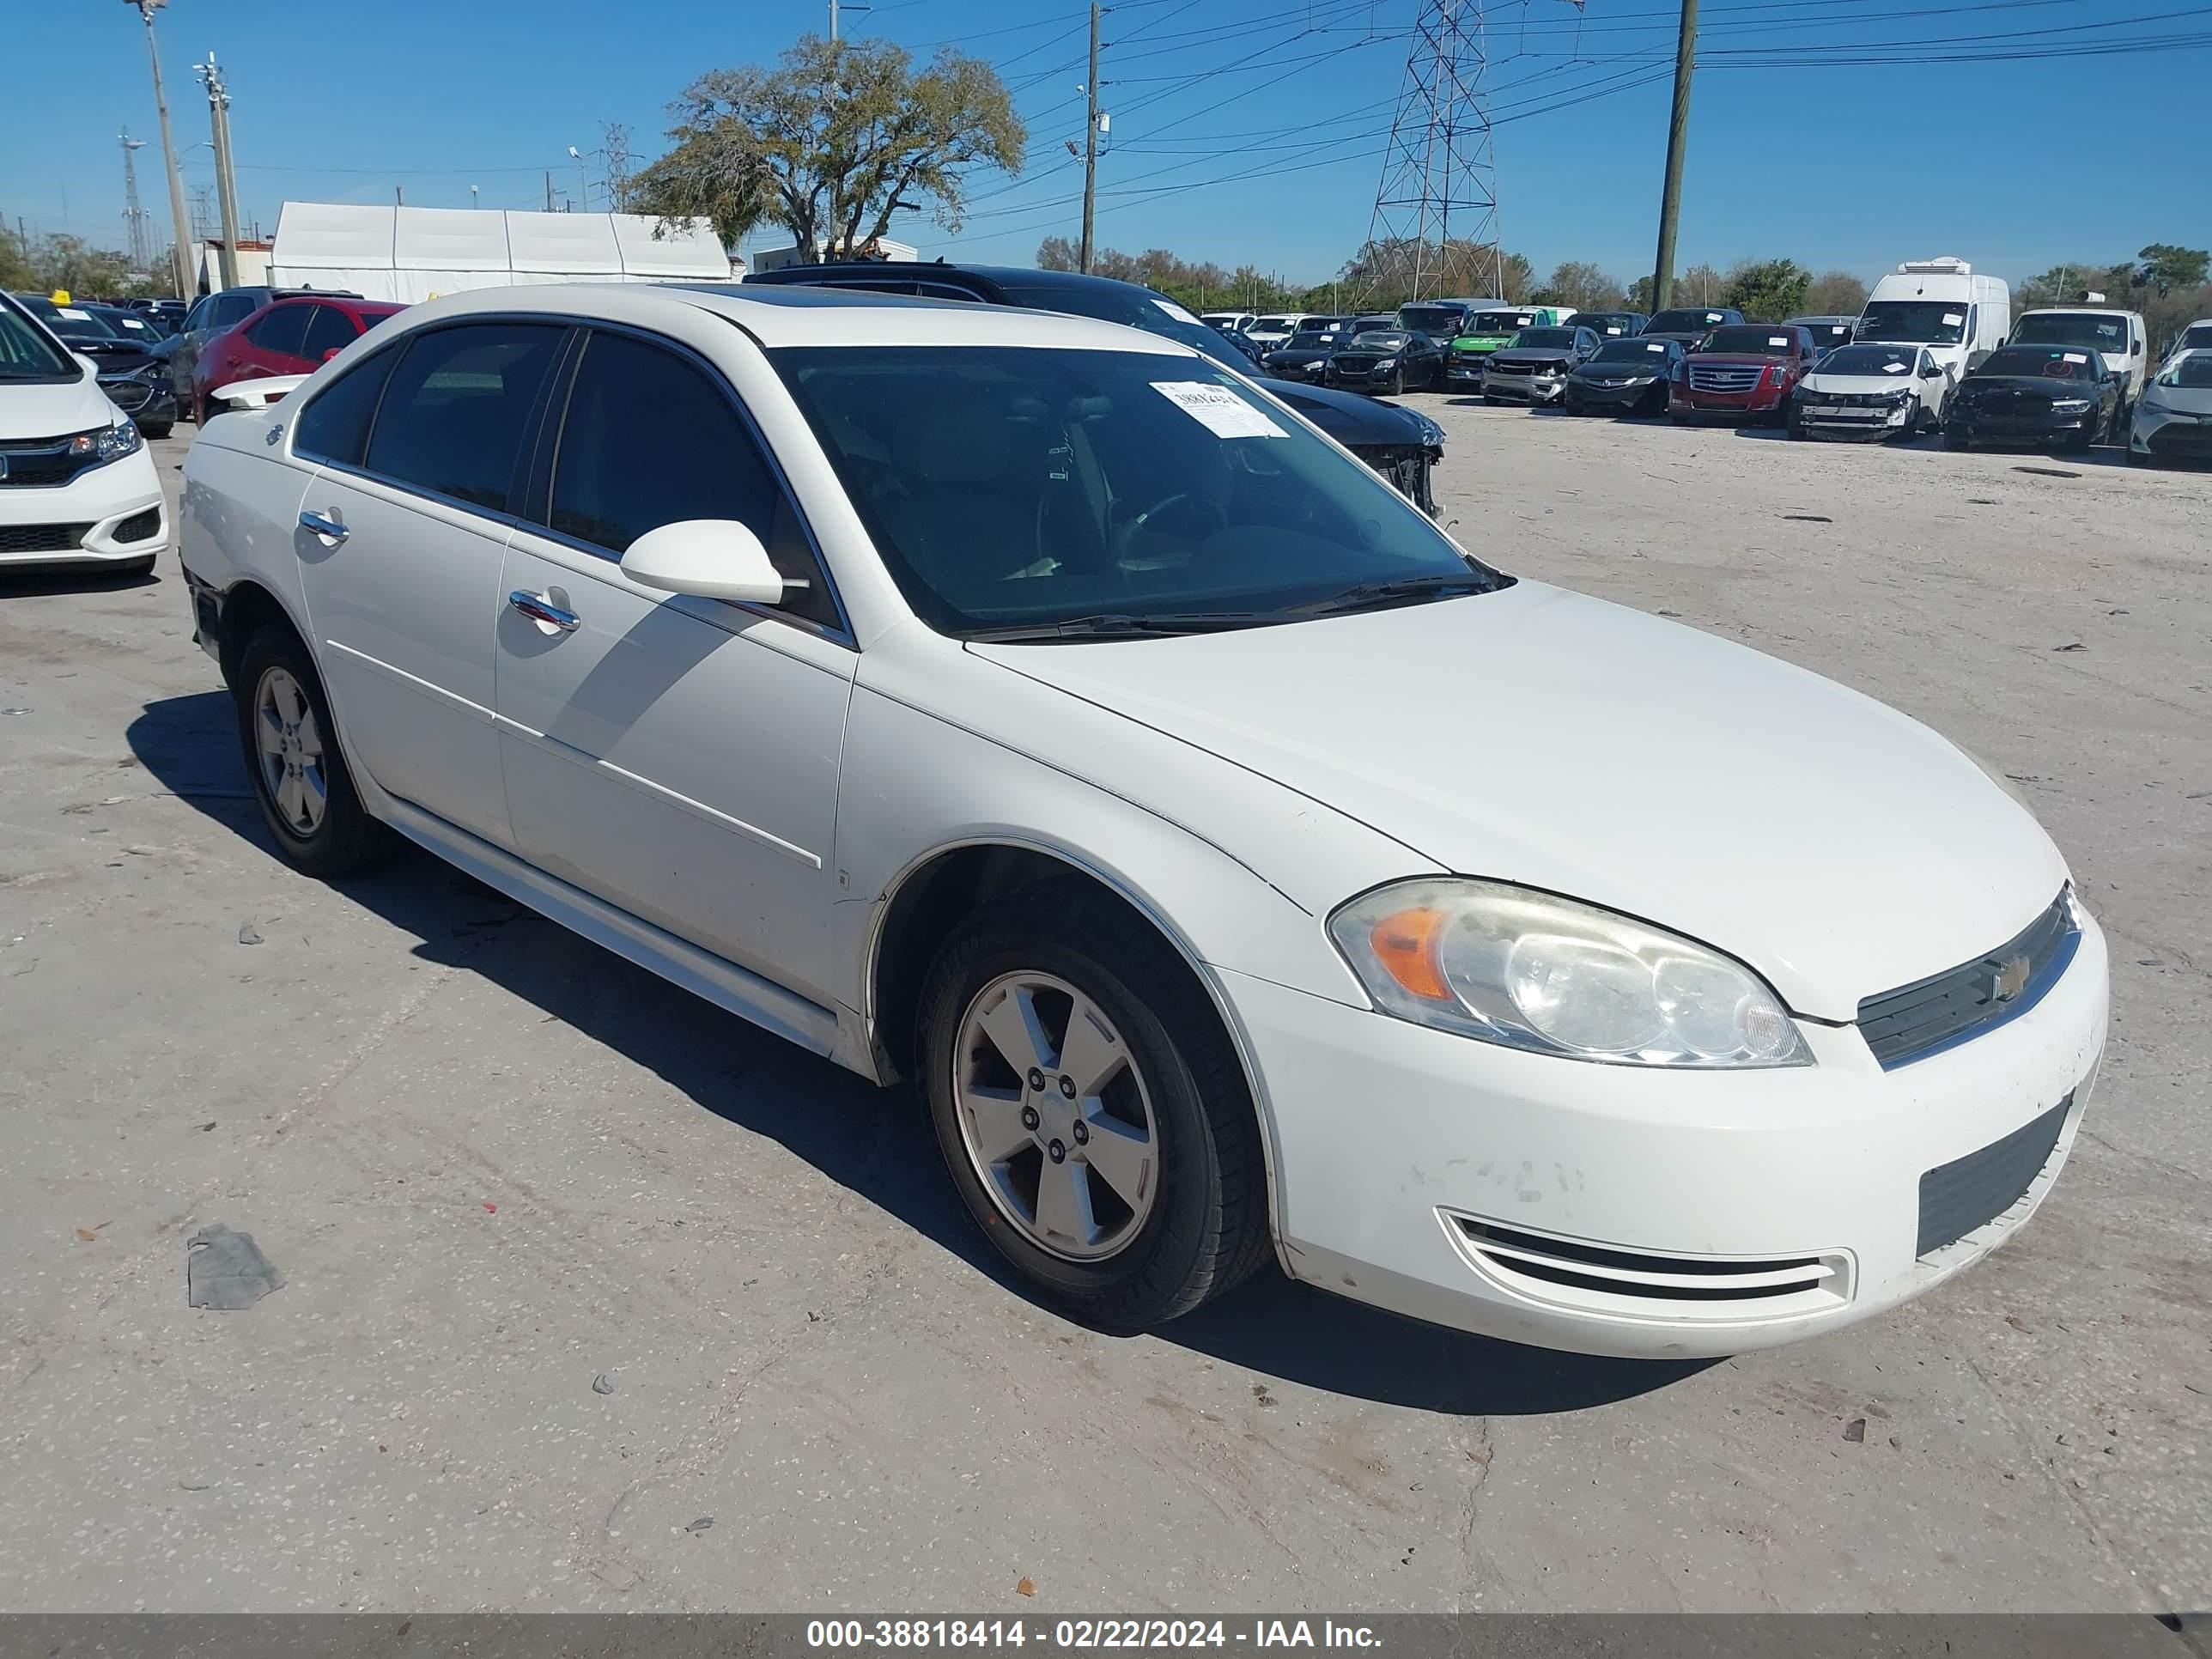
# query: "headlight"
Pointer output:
{"type": "Point", "coordinates": [110, 443]}
{"type": "Point", "coordinates": [1433, 436]}
{"type": "Point", "coordinates": [2069, 405]}
{"type": "Point", "coordinates": [1529, 970]}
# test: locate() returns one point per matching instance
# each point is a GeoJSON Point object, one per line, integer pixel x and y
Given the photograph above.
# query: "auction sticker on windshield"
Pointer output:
{"type": "Point", "coordinates": [1953, 318]}
{"type": "Point", "coordinates": [1220, 410]}
{"type": "Point", "coordinates": [1176, 312]}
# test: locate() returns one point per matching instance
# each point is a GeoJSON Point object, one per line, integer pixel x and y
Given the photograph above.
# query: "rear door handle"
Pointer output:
{"type": "Point", "coordinates": [540, 609]}
{"type": "Point", "coordinates": [328, 529]}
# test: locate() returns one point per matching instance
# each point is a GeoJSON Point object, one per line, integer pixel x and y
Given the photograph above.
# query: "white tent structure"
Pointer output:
{"type": "Point", "coordinates": [408, 255]}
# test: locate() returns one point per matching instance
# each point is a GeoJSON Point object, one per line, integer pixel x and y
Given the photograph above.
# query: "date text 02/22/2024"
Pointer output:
{"type": "Point", "coordinates": [1084, 1634]}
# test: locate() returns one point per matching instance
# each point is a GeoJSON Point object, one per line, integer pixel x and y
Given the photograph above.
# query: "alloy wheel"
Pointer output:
{"type": "Point", "coordinates": [1055, 1116]}
{"type": "Point", "coordinates": [291, 746]}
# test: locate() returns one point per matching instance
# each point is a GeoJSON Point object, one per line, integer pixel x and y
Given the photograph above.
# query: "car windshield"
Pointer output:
{"type": "Point", "coordinates": [1750, 339]}
{"type": "Point", "coordinates": [2099, 331]}
{"type": "Point", "coordinates": [1869, 360]}
{"type": "Point", "coordinates": [1499, 322]}
{"type": "Point", "coordinates": [1926, 322]}
{"type": "Point", "coordinates": [1276, 325]}
{"type": "Point", "coordinates": [1684, 322]}
{"type": "Point", "coordinates": [75, 323]}
{"type": "Point", "coordinates": [1544, 337]}
{"type": "Point", "coordinates": [1650, 352]}
{"type": "Point", "coordinates": [1431, 320]}
{"type": "Point", "coordinates": [2053, 364]}
{"type": "Point", "coordinates": [1607, 322]}
{"type": "Point", "coordinates": [1381, 340]}
{"type": "Point", "coordinates": [2192, 372]}
{"type": "Point", "coordinates": [1320, 335]}
{"type": "Point", "coordinates": [28, 354]}
{"type": "Point", "coordinates": [1036, 488]}
{"type": "Point", "coordinates": [2195, 337]}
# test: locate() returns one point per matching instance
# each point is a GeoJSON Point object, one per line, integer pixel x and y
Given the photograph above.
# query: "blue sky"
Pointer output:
{"type": "Point", "coordinates": [1243, 129]}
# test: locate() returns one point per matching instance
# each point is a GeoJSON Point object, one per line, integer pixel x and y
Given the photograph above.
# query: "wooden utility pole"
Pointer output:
{"type": "Point", "coordinates": [1678, 132]}
{"type": "Point", "coordinates": [1090, 141]}
{"type": "Point", "coordinates": [187, 281]}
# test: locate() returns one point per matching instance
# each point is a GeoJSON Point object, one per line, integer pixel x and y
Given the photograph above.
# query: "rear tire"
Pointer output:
{"type": "Point", "coordinates": [289, 742]}
{"type": "Point", "coordinates": [1955, 438]}
{"type": "Point", "coordinates": [1077, 978]}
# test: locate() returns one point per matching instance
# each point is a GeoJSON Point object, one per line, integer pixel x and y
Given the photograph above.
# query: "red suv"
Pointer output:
{"type": "Point", "coordinates": [294, 336]}
{"type": "Point", "coordinates": [1741, 370]}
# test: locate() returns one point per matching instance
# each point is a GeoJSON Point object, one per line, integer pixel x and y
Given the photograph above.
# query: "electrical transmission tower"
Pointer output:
{"type": "Point", "coordinates": [134, 218]}
{"type": "Point", "coordinates": [1436, 207]}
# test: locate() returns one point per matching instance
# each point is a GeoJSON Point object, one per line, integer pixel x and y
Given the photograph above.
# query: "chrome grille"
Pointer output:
{"type": "Point", "coordinates": [1724, 376]}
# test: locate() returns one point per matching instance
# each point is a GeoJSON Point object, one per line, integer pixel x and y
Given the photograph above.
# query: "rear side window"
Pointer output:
{"type": "Point", "coordinates": [281, 329]}
{"type": "Point", "coordinates": [329, 330]}
{"type": "Point", "coordinates": [457, 406]}
{"type": "Point", "coordinates": [651, 438]}
{"type": "Point", "coordinates": [334, 426]}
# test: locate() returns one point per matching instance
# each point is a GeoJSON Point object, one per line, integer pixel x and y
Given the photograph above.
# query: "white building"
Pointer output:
{"type": "Point", "coordinates": [408, 253]}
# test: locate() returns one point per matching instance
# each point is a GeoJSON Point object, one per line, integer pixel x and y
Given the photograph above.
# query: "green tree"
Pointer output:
{"type": "Point", "coordinates": [833, 142]}
{"type": "Point", "coordinates": [1700, 285]}
{"type": "Point", "coordinates": [1768, 290]}
{"type": "Point", "coordinates": [1058, 253]}
{"type": "Point", "coordinates": [15, 262]}
{"type": "Point", "coordinates": [1834, 294]}
{"type": "Point", "coordinates": [1578, 283]}
{"type": "Point", "coordinates": [2166, 267]}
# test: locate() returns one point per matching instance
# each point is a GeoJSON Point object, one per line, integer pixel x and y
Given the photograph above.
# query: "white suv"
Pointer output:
{"type": "Point", "coordinates": [77, 487]}
{"type": "Point", "coordinates": [1036, 709]}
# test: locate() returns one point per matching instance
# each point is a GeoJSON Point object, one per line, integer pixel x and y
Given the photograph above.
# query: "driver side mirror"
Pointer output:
{"type": "Point", "coordinates": [1931, 371]}
{"type": "Point", "coordinates": [713, 558]}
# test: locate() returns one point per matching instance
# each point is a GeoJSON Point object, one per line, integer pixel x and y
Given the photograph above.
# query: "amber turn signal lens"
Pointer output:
{"type": "Point", "coordinates": [1406, 944]}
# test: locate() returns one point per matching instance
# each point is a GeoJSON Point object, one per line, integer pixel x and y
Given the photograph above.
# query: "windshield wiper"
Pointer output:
{"type": "Point", "coordinates": [1114, 625]}
{"type": "Point", "coordinates": [1373, 595]}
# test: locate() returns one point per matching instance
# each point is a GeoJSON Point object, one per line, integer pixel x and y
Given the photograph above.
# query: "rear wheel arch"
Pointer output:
{"type": "Point", "coordinates": [247, 608]}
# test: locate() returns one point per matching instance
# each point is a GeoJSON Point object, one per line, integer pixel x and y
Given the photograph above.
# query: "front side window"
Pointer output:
{"type": "Point", "coordinates": [29, 352]}
{"type": "Point", "coordinates": [650, 438]}
{"type": "Point", "coordinates": [281, 329]}
{"type": "Point", "coordinates": [328, 330]}
{"type": "Point", "coordinates": [458, 402]}
{"type": "Point", "coordinates": [1016, 490]}
{"type": "Point", "coordinates": [334, 426]}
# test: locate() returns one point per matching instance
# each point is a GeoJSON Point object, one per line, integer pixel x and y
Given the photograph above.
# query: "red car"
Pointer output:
{"type": "Point", "coordinates": [1741, 371]}
{"type": "Point", "coordinates": [294, 336]}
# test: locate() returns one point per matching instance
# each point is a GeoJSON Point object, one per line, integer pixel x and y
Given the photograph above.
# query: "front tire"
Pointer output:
{"type": "Point", "coordinates": [1105, 1143]}
{"type": "Point", "coordinates": [291, 746]}
{"type": "Point", "coordinates": [157, 429]}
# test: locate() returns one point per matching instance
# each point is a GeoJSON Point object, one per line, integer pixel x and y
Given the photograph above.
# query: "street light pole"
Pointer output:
{"type": "Point", "coordinates": [226, 181]}
{"type": "Point", "coordinates": [187, 284]}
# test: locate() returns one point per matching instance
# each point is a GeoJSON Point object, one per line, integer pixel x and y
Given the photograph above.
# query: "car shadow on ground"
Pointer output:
{"type": "Point", "coordinates": [876, 1143]}
{"type": "Point", "coordinates": [32, 581]}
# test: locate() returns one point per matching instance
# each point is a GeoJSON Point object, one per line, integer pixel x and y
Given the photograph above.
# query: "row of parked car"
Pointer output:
{"type": "Point", "coordinates": [2068, 375]}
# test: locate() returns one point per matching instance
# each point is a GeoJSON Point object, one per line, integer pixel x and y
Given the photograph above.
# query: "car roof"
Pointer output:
{"type": "Point", "coordinates": [788, 315]}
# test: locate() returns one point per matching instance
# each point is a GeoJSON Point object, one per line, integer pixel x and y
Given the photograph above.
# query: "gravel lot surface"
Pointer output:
{"type": "Point", "coordinates": [495, 1164]}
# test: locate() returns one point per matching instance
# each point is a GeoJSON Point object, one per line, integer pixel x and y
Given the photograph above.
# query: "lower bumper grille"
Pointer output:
{"type": "Point", "coordinates": [2179, 440]}
{"type": "Point", "coordinates": [43, 537]}
{"type": "Point", "coordinates": [1971, 1191]}
{"type": "Point", "coordinates": [139, 527]}
{"type": "Point", "coordinates": [1605, 1279]}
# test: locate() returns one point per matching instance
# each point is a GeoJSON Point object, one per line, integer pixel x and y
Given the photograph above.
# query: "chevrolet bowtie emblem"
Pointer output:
{"type": "Point", "coordinates": [2011, 979]}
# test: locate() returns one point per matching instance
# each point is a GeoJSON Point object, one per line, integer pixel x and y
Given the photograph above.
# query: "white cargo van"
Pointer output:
{"type": "Point", "coordinates": [1942, 304]}
{"type": "Point", "coordinates": [2118, 337]}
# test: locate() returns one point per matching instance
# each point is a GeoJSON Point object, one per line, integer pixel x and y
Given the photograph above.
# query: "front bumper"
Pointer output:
{"type": "Point", "coordinates": [2171, 436]}
{"type": "Point", "coordinates": [1724, 405]}
{"type": "Point", "coordinates": [1448, 1180]}
{"type": "Point", "coordinates": [1368, 380]}
{"type": "Point", "coordinates": [1465, 370]}
{"type": "Point", "coordinates": [2021, 429]}
{"type": "Point", "coordinates": [143, 401]}
{"type": "Point", "coordinates": [1851, 420]}
{"type": "Point", "coordinates": [108, 515]}
{"type": "Point", "coordinates": [1594, 395]}
{"type": "Point", "coordinates": [1528, 388]}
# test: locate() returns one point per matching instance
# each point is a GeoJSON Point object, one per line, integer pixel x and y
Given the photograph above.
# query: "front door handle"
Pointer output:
{"type": "Point", "coordinates": [328, 529]}
{"type": "Point", "coordinates": [537, 608]}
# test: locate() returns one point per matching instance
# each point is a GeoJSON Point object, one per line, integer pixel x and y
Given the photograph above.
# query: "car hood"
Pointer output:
{"type": "Point", "coordinates": [1351, 420]}
{"type": "Point", "coordinates": [38, 410]}
{"type": "Point", "coordinates": [2189, 399]}
{"type": "Point", "coordinates": [1838, 846]}
{"type": "Point", "coordinates": [114, 356]}
{"type": "Point", "coordinates": [1532, 355]}
{"type": "Point", "coordinates": [1856, 385]}
{"type": "Point", "coordinates": [1975, 385]}
{"type": "Point", "coordinates": [1735, 359]}
{"type": "Point", "coordinates": [1480, 342]}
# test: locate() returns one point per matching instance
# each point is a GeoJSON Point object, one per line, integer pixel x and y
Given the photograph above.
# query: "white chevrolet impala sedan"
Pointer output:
{"type": "Point", "coordinates": [1032, 709]}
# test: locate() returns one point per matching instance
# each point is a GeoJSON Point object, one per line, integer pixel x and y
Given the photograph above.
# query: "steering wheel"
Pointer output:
{"type": "Point", "coordinates": [1126, 537]}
